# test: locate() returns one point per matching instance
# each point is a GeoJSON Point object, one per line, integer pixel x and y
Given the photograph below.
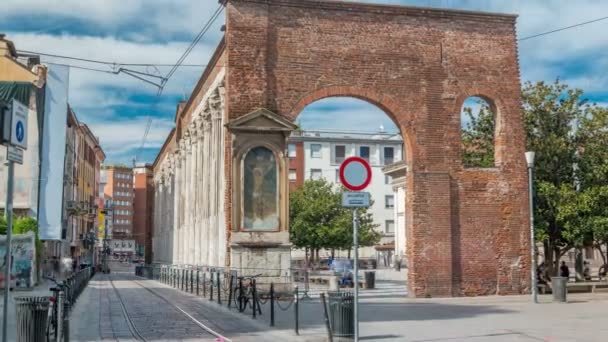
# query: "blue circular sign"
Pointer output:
{"type": "Point", "coordinates": [20, 133]}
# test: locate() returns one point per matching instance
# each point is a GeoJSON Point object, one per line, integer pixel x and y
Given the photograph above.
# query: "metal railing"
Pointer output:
{"type": "Point", "coordinates": [245, 290]}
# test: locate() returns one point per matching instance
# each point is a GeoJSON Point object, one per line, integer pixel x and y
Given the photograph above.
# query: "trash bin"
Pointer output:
{"type": "Point", "coordinates": [559, 289]}
{"type": "Point", "coordinates": [370, 280]}
{"type": "Point", "coordinates": [341, 313]}
{"type": "Point", "coordinates": [31, 317]}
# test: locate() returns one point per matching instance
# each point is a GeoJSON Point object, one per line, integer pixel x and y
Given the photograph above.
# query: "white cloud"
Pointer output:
{"type": "Point", "coordinates": [157, 18]}
{"type": "Point", "coordinates": [125, 135]}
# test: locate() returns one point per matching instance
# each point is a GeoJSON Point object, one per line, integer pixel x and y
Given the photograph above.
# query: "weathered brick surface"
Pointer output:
{"type": "Point", "coordinates": [467, 229]}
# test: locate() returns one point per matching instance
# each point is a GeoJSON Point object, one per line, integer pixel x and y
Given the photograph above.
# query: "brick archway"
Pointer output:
{"type": "Point", "coordinates": [466, 228]}
{"type": "Point", "coordinates": [382, 101]}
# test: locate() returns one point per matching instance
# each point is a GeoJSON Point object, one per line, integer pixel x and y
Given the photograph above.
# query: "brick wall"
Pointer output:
{"type": "Point", "coordinates": [467, 228]}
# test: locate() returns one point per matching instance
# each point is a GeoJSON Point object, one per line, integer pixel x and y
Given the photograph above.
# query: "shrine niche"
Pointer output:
{"type": "Point", "coordinates": [260, 212]}
{"type": "Point", "coordinates": [260, 192]}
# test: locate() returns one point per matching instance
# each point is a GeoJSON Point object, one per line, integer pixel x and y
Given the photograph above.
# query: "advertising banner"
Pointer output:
{"type": "Point", "coordinates": [53, 153]}
{"type": "Point", "coordinates": [23, 268]}
{"type": "Point", "coordinates": [122, 246]}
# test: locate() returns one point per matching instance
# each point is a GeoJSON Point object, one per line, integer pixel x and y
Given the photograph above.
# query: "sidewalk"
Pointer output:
{"type": "Point", "coordinates": [390, 316]}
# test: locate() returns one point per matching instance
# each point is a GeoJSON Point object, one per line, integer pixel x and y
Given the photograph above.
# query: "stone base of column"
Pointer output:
{"type": "Point", "coordinates": [273, 261]}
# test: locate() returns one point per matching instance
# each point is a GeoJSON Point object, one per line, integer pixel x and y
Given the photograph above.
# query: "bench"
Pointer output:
{"type": "Point", "coordinates": [589, 286]}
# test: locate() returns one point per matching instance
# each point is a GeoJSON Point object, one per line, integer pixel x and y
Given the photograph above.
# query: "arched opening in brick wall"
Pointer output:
{"type": "Point", "coordinates": [333, 128]}
{"type": "Point", "coordinates": [477, 132]}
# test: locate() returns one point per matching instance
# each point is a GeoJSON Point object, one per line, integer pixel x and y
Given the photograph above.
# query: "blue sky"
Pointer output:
{"type": "Point", "coordinates": [158, 31]}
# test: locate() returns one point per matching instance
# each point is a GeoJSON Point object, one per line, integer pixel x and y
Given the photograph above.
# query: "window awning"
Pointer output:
{"type": "Point", "coordinates": [16, 90]}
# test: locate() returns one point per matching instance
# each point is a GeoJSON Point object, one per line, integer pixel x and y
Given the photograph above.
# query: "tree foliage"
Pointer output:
{"type": "Point", "coordinates": [318, 220]}
{"type": "Point", "coordinates": [477, 135]}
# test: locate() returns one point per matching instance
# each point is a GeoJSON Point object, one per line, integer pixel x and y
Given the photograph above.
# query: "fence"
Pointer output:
{"type": "Point", "coordinates": [243, 290]}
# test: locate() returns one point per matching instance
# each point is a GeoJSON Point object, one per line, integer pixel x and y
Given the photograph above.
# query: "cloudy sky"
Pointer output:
{"type": "Point", "coordinates": [117, 107]}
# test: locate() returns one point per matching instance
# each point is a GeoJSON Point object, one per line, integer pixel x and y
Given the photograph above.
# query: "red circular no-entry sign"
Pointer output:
{"type": "Point", "coordinates": [355, 173]}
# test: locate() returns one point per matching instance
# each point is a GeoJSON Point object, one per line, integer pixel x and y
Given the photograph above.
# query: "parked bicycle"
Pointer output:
{"type": "Point", "coordinates": [57, 323]}
{"type": "Point", "coordinates": [245, 294]}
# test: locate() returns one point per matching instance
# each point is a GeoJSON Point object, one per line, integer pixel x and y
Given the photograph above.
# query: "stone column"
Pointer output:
{"type": "Point", "coordinates": [188, 200]}
{"type": "Point", "coordinates": [206, 189]}
{"type": "Point", "coordinates": [170, 205]}
{"type": "Point", "coordinates": [194, 248]}
{"type": "Point", "coordinates": [213, 238]}
{"type": "Point", "coordinates": [222, 241]}
{"type": "Point", "coordinates": [199, 191]}
{"type": "Point", "coordinates": [176, 185]}
{"type": "Point", "coordinates": [217, 168]}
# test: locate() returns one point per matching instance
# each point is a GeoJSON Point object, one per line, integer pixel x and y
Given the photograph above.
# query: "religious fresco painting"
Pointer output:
{"type": "Point", "coordinates": [260, 195]}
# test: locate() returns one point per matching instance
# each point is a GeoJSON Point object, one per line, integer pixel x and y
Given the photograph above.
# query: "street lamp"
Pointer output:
{"type": "Point", "coordinates": [530, 162]}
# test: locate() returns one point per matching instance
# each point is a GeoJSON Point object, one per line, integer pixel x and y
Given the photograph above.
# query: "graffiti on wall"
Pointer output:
{"type": "Point", "coordinates": [23, 260]}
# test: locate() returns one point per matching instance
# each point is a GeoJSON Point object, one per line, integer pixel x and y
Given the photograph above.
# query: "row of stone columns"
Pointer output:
{"type": "Point", "coordinates": [189, 223]}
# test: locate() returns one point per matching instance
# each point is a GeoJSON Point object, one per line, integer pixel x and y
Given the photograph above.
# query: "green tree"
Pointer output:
{"type": "Point", "coordinates": [477, 136]}
{"type": "Point", "coordinates": [318, 220]}
{"type": "Point", "coordinates": [22, 225]}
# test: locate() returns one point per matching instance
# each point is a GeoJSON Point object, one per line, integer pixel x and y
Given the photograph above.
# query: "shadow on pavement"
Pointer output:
{"type": "Point", "coordinates": [373, 312]}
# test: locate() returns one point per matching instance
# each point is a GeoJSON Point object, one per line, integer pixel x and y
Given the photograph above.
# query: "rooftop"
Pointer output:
{"type": "Point", "coordinates": [380, 135]}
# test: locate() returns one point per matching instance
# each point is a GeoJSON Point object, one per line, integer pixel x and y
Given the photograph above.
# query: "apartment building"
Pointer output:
{"type": "Point", "coordinates": [119, 187]}
{"type": "Point", "coordinates": [143, 204]}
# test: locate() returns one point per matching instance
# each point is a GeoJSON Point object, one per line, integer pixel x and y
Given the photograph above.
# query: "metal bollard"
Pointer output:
{"type": "Point", "coordinates": [197, 281]}
{"type": "Point", "coordinates": [272, 304]}
{"type": "Point", "coordinates": [219, 286]}
{"type": "Point", "coordinates": [211, 286]}
{"type": "Point", "coordinates": [326, 318]}
{"type": "Point", "coordinates": [66, 317]}
{"type": "Point", "coordinates": [32, 315]}
{"type": "Point", "coordinates": [296, 309]}
{"type": "Point", "coordinates": [182, 280]}
{"type": "Point", "coordinates": [241, 309]}
{"type": "Point", "coordinates": [204, 284]}
{"type": "Point", "coordinates": [191, 281]}
{"type": "Point", "coordinates": [230, 291]}
{"type": "Point", "coordinates": [253, 297]}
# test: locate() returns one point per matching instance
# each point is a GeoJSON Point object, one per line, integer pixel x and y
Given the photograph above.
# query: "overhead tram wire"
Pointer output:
{"type": "Point", "coordinates": [563, 28]}
{"type": "Point", "coordinates": [195, 41]}
{"type": "Point", "coordinates": [164, 80]}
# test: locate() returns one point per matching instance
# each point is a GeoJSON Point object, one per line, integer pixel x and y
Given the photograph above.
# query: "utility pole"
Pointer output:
{"type": "Point", "coordinates": [8, 210]}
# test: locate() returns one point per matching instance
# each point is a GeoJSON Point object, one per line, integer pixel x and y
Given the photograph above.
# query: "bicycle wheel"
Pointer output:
{"type": "Point", "coordinates": [238, 299]}
{"type": "Point", "coordinates": [51, 326]}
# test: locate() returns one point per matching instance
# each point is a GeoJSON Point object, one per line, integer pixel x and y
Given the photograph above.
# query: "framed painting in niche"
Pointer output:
{"type": "Point", "coordinates": [260, 190]}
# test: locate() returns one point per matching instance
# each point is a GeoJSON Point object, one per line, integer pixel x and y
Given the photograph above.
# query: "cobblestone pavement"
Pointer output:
{"type": "Point", "coordinates": [99, 315]}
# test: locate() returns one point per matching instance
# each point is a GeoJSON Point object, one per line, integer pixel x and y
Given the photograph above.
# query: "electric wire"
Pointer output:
{"type": "Point", "coordinates": [195, 41]}
{"type": "Point", "coordinates": [563, 28]}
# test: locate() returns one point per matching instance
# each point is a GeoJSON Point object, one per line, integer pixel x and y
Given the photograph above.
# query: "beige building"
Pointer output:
{"type": "Point", "coordinates": [23, 78]}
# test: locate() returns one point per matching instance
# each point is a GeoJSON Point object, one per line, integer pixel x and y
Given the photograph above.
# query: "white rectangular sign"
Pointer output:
{"type": "Point", "coordinates": [19, 125]}
{"type": "Point", "coordinates": [355, 199]}
{"type": "Point", "coordinates": [14, 154]}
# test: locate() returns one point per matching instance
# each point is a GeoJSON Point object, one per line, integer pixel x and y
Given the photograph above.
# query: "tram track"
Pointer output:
{"type": "Point", "coordinates": [132, 326]}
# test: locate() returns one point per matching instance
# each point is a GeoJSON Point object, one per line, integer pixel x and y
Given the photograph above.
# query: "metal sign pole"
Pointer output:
{"type": "Point", "coordinates": [356, 275]}
{"type": "Point", "coordinates": [7, 266]}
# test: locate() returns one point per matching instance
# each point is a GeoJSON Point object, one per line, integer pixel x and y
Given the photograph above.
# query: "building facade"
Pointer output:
{"type": "Point", "coordinates": [318, 154]}
{"type": "Point", "coordinates": [23, 79]}
{"type": "Point", "coordinates": [119, 187]}
{"type": "Point", "coordinates": [396, 173]}
{"type": "Point", "coordinates": [83, 211]}
{"type": "Point", "coordinates": [143, 203]}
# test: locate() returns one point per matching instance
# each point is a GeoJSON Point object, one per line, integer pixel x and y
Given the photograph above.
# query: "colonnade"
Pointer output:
{"type": "Point", "coordinates": [189, 219]}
